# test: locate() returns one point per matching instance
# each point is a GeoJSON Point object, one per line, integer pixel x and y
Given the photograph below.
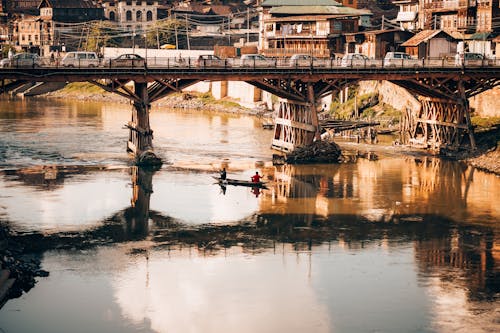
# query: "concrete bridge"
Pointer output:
{"type": "Point", "coordinates": [442, 87]}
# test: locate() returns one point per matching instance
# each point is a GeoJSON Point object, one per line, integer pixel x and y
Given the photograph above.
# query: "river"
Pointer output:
{"type": "Point", "coordinates": [397, 243]}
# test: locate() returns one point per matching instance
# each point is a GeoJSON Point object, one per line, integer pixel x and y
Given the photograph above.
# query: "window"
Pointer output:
{"type": "Point", "coordinates": [129, 15]}
{"type": "Point", "coordinates": [149, 16]}
{"type": "Point", "coordinates": [138, 3]}
{"type": "Point", "coordinates": [138, 16]}
{"type": "Point", "coordinates": [112, 16]}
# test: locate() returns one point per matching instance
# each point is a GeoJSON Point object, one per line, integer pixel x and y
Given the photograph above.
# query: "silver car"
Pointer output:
{"type": "Point", "coordinates": [29, 60]}
{"type": "Point", "coordinates": [256, 60]}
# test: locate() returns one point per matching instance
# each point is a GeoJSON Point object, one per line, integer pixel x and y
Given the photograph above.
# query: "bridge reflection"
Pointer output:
{"type": "Point", "coordinates": [435, 205]}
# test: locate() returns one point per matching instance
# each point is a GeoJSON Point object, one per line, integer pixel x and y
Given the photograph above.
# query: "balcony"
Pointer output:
{"type": "Point", "coordinates": [288, 52]}
{"type": "Point", "coordinates": [294, 34]}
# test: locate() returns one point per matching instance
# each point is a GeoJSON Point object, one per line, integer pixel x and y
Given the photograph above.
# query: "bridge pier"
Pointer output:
{"type": "Point", "coordinates": [140, 142]}
{"type": "Point", "coordinates": [440, 123]}
{"type": "Point", "coordinates": [296, 123]}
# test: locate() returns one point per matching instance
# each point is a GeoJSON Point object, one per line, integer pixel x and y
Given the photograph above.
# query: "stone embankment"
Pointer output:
{"type": "Point", "coordinates": [489, 162]}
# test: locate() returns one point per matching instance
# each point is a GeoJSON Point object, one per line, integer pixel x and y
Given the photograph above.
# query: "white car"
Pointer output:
{"type": "Point", "coordinates": [355, 60]}
{"type": "Point", "coordinates": [21, 60]}
{"type": "Point", "coordinates": [400, 59]}
{"type": "Point", "coordinates": [256, 60]}
{"type": "Point", "coordinates": [301, 60]}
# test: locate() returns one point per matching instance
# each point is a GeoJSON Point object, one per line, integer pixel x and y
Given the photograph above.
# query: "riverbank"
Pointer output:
{"type": "Point", "coordinates": [184, 100]}
{"type": "Point", "coordinates": [485, 157]}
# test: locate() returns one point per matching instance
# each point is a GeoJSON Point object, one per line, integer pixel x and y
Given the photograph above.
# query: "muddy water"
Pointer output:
{"type": "Point", "coordinates": [399, 244]}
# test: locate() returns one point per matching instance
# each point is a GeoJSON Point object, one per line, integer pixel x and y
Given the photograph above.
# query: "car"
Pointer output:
{"type": "Point", "coordinates": [23, 59]}
{"type": "Point", "coordinates": [80, 59]}
{"type": "Point", "coordinates": [301, 60]}
{"type": "Point", "coordinates": [127, 60]}
{"type": "Point", "coordinates": [210, 60]}
{"type": "Point", "coordinates": [256, 60]}
{"type": "Point", "coordinates": [469, 59]}
{"type": "Point", "coordinates": [354, 60]}
{"type": "Point", "coordinates": [400, 59]}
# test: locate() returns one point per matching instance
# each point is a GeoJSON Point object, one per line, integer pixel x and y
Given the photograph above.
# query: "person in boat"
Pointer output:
{"type": "Point", "coordinates": [223, 174]}
{"type": "Point", "coordinates": [256, 191]}
{"type": "Point", "coordinates": [256, 178]}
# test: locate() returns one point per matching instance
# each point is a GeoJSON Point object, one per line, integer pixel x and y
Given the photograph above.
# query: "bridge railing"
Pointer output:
{"type": "Point", "coordinates": [282, 63]}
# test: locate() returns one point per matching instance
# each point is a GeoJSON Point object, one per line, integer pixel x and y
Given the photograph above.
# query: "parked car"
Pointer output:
{"type": "Point", "coordinates": [127, 60]}
{"type": "Point", "coordinates": [469, 59]}
{"type": "Point", "coordinates": [210, 60]}
{"type": "Point", "coordinates": [80, 59]}
{"type": "Point", "coordinates": [21, 60]}
{"type": "Point", "coordinates": [256, 60]}
{"type": "Point", "coordinates": [355, 60]}
{"type": "Point", "coordinates": [301, 60]}
{"type": "Point", "coordinates": [400, 59]}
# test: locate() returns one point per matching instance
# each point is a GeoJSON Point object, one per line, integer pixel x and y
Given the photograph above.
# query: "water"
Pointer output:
{"type": "Point", "coordinates": [400, 244]}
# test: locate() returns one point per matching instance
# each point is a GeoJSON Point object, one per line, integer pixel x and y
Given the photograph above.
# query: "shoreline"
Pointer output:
{"type": "Point", "coordinates": [487, 160]}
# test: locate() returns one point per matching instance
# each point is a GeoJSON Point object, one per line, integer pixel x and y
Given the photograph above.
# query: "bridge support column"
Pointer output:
{"type": "Point", "coordinates": [294, 126]}
{"type": "Point", "coordinates": [440, 123]}
{"type": "Point", "coordinates": [140, 142]}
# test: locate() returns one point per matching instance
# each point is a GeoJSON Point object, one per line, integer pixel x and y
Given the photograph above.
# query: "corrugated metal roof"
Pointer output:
{"type": "Point", "coordinates": [274, 3]}
{"type": "Point", "coordinates": [422, 36]}
{"type": "Point", "coordinates": [70, 4]}
{"type": "Point", "coordinates": [315, 10]}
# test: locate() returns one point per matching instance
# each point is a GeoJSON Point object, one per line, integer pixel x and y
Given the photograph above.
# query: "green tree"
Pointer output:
{"type": "Point", "coordinates": [100, 33]}
{"type": "Point", "coordinates": [164, 32]}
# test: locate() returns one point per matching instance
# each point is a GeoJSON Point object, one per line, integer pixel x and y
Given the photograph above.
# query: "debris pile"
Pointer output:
{"type": "Point", "coordinates": [317, 152]}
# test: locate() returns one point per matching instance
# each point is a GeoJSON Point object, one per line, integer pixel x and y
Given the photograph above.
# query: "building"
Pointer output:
{"type": "Point", "coordinates": [139, 15]}
{"type": "Point", "coordinates": [408, 14]}
{"type": "Point", "coordinates": [314, 27]}
{"type": "Point", "coordinates": [56, 15]}
{"type": "Point", "coordinates": [431, 44]}
{"type": "Point", "coordinates": [28, 31]}
{"type": "Point", "coordinates": [376, 43]}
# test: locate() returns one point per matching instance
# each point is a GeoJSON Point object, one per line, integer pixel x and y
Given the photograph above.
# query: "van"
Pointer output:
{"type": "Point", "coordinates": [400, 59]}
{"type": "Point", "coordinates": [80, 59]}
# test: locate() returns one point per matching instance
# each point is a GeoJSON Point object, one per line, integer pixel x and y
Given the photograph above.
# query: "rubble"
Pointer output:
{"type": "Point", "coordinates": [317, 152]}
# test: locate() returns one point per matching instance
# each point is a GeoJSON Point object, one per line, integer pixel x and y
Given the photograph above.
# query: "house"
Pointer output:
{"type": "Point", "coordinates": [408, 14]}
{"type": "Point", "coordinates": [431, 44]}
{"type": "Point", "coordinates": [376, 43]}
{"type": "Point", "coordinates": [313, 27]}
{"type": "Point", "coordinates": [28, 31]}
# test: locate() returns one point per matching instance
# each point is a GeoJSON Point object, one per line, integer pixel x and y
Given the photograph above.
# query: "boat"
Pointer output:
{"type": "Point", "coordinates": [238, 182]}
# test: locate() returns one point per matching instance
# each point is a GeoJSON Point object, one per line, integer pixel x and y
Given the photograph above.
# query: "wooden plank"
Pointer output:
{"type": "Point", "coordinates": [295, 124]}
{"type": "Point", "coordinates": [441, 123]}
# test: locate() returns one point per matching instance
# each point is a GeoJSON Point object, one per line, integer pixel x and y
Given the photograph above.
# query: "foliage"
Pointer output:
{"type": "Point", "coordinates": [99, 34]}
{"type": "Point", "coordinates": [164, 32]}
{"type": "Point", "coordinates": [82, 87]}
{"type": "Point", "coordinates": [482, 122]}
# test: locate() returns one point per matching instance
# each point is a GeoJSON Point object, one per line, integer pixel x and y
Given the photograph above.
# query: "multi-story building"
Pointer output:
{"type": "Point", "coordinates": [304, 26]}
{"type": "Point", "coordinates": [56, 14]}
{"type": "Point", "coordinates": [137, 14]}
{"type": "Point", "coordinates": [464, 16]}
{"type": "Point", "coordinates": [28, 31]}
{"type": "Point", "coordinates": [408, 14]}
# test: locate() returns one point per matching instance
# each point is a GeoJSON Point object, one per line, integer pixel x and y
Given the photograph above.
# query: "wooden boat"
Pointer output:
{"type": "Point", "coordinates": [238, 182]}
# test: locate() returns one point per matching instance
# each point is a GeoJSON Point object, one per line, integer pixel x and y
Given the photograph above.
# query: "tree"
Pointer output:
{"type": "Point", "coordinates": [164, 32]}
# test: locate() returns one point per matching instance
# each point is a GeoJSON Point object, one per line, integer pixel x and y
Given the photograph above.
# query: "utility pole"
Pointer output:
{"type": "Point", "coordinates": [187, 33]}
{"type": "Point", "coordinates": [383, 19]}
{"type": "Point", "coordinates": [175, 27]}
{"type": "Point", "coordinates": [248, 24]}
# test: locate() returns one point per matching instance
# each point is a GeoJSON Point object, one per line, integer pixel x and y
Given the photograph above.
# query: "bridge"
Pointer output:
{"type": "Point", "coordinates": [442, 88]}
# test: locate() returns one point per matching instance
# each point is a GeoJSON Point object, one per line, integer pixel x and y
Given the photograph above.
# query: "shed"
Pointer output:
{"type": "Point", "coordinates": [431, 44]}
